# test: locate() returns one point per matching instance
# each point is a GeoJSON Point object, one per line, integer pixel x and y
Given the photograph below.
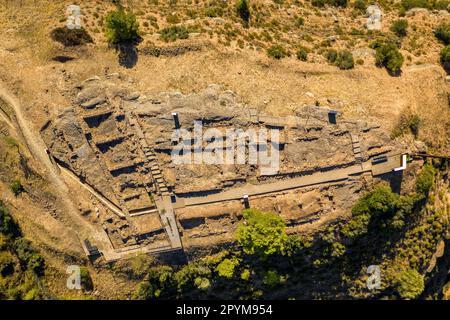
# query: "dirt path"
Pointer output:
{"type": "Point", "coordinates": [72, 218]}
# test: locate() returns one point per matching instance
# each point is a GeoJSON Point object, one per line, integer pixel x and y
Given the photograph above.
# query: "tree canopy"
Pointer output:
{"type": "Point", "coordinates": [262, 233]}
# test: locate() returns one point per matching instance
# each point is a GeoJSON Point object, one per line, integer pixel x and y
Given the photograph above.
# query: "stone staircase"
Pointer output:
{"type": "Point", "coordinates": [356, 145]}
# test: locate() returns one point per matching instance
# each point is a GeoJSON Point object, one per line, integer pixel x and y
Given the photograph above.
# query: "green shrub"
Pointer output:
{"type": "Point", "coordinates": [318, 3]}
{"type": "Point", "coordinates": [360, 5]}
{"type": "Point", "coordinates": [410, 284]}
{"type": "Point", "coordinates": [272, 279]}
{"type": "Point", "coordinates": [277, 51]}
{"type": "Point", "coordinates": [173, 33]}
{"type": "Point", "coordinates": [16, 187]}
{"type": "Point", "coordinates": [357, 226]}
{"type": "Point", "coordinates": [121, 26]}
{"type": "Point", "coordinates": [344, 60]}
{"type": "Point", "coordinates": [425, 179]}
{"type": "Point", "coordinates": [387, 55]}
{"type": "Point", "coordinates": [28, 258]}
{"type": "Point", "coordinates": [302, 54]}
{"type": "Point", "coordinates": [331, 55]}
{"type": "Point", "coordinates": [6, 264]}
{"type": "Point", "coordinates": [441, 5]}
{"type": "Point", "coordinates": [243, 10]}
{"type": "Point", "coordinates": [445, 58]}
{"type": "Point", "coordinates": [85, 279]}
{"type": "Point", "coordinates": [226, 268]}
{"type": "Point", "coordinates": [7, 225]}
{"type": "Point", "coordinates": [158, 282]}
{"type": "Point", "coordinates": [410, 4]}
{"type": "Point", "coordinates": [299, 21]}
{"type": "Point", "coordinates": [262, 233]}
{"type": "Point", "coordinates": [338, 3]}
{"type": "Point", "coordinates": [442, 32]}
{"type": "Point", "coordinates": [400, 27]}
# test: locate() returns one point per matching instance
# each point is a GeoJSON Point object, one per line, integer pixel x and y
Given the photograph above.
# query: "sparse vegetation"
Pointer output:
{"type": "Point", "coordinates": [408, 122]}
{"type": "Point", "coordinates": [173, 33]}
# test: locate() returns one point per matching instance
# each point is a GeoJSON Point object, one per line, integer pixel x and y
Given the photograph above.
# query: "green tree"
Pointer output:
{"type": "Point", "coordinates": [121, 27]}
{"type": "Point", "coordinates": [410, 284]}
{"type": "Point", "coordinates": [387, 55]}
{"type": "Point", "coordinates": [262, 233]}
{"type": "Point", "coordinates": [243, 10]}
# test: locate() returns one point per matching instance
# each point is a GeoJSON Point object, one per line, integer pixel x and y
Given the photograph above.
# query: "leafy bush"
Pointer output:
{"type": "Point", "coordinates": [318, 3]}
{"type": "Point", "coordinates": [277, 51]}
{"type": "Point", "coordinates": [360, 5]}
{"type": "Point", "coordinates": [243, 10]}
{"type": "Point", "coordinates": [6, 264]}
{"type": "Point", "coordinates": [16, 187]}
{"type": "Point", "coordinates": [425, 179]}
{"type": "Point", "coordinates": [86, 280]}
{"type": "Point", "coordinates": [272, 279]}
{"type": "Point", "coordinates": [29, 259]}
{"type": "Point", "coordinates": [387, 55]}
{"type": "Point", "coordinates": [344, 60]}
{"type": "Point", "coordinates": [338, 3]}
{"type": "Point", "coordinates": [262, 233]}
{"type": "Point", "coordinates": [173, 33]}
{"type": "Point", "coordinates": [410, 284]}
{"type": "Point", "coordinates": [331, 55]}
{"type": "Point", "coordinates": [445, 58]}
{"type": "Point", "coordinates": [121, 26]}
{"type": "Point", "coordinates": [335, 3]}
{"type": "Point", "coordinates": [7, 225]}
{"type": "Point", "coordinates": [400, 27]}
{"type": "Point", "coordinates": [158, 282]}
{"type": "Point", "coordinates": [302, 54]}
{"type": "Point", "coordinates": [410, 4]}
{"type": "Point", "coordinates": [226, 268]}
{"type": "Point", "coordinates": [381, 201]}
